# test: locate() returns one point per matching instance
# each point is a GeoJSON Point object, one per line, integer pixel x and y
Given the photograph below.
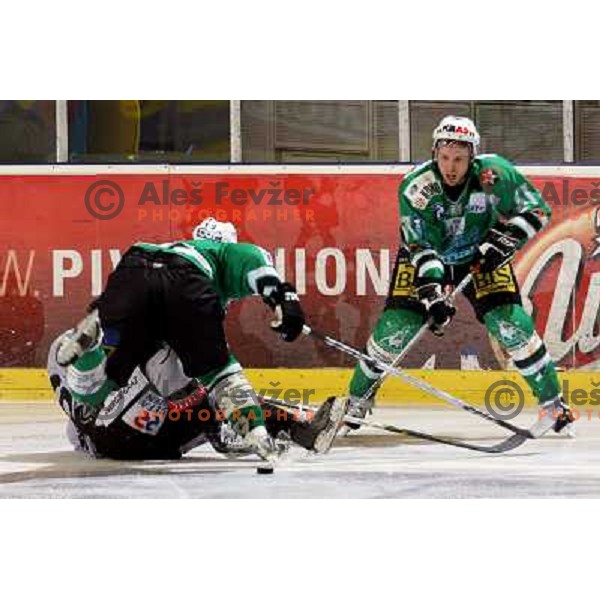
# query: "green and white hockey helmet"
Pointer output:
{"type": "Point", "coordinates": [456, 129]}
{"type": "Point", "coordinates": [216, 231]}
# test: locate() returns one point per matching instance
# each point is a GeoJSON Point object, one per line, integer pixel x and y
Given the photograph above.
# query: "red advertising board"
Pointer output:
{"type": "Point", "coordinates": [334, 234]}
{"type": "Point", "coordinates": [559, 272]}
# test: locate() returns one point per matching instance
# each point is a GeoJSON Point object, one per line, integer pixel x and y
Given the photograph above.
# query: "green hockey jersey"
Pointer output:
{"type": "Point", "coordinates": [440, 230]}
{"type": "Point", "coordinates": [234, 269]}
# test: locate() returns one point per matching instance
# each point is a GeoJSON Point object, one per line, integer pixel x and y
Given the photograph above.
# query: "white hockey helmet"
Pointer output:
{"type": "Point", "coordinates": [456, 129]}
{"type": "Point", "coordinates": [217, 231]}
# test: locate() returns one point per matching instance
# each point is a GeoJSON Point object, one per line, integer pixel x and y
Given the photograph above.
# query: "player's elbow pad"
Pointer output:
{"type": "Point", "coordinates": [528, 224]}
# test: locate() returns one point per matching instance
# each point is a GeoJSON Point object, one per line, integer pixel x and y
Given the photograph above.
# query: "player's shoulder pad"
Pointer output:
{"type": "Point", "coordinates": [492, 169]}
{"type": "Point", "coordinates": [419, 186]}
{"type": "Point", "coordinates": [199, 244]}
{"type": "Point", "coordinates": [491, 160]}
{"type": "Point", "coordinates": [252, 250]}
{"type": "Point", "coordinates": [417, 170]}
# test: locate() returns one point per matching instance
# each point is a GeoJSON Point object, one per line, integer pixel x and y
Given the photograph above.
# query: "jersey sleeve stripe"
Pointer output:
{"type": "Point", "coordinates": [431, 265]}
{"type": "Point", "coordinates": [256, 274]}
{"type": "Point", "coordinates": [521, 223]}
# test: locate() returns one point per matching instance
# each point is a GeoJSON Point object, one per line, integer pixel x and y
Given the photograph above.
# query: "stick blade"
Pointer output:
{"type": "Point", "coordinates": [514, 441]}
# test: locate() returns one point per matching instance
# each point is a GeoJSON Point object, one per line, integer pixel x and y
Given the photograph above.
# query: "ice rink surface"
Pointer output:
{"type": "Point", "coordinates": [36, 462]}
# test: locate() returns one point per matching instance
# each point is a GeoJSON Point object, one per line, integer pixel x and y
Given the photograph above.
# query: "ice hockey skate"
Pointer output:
{"type": "Point", "coordinates": [358, 408]}
{"type": "Point", "coordinates": [554, 415]}
{"type": "Point", "coordinates": [318, 434]}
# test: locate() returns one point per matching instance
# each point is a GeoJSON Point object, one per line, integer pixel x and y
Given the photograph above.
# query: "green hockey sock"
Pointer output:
{"type": "Point", "coordinates": [393, 331]}
{"type": "Point", "coordinates": [514, 330]}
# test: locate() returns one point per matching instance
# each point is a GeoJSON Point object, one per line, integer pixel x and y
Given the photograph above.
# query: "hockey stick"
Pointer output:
{"type": "Point", "coordinates": [459, 288]}
{"type": "Point", "coordinates": [504, 446]}
{"type": "Point", "coordinates": [414, 381]}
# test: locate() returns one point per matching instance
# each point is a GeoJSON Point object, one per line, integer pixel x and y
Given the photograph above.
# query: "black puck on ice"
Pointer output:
{"type": "Point", "coordinates": [265, 470]}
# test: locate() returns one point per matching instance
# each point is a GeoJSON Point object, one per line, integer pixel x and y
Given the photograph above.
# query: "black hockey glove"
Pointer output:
{"type": "Point", "coordinates": [439, 310]}
{"type": "Point", "coordinates": [289, 316]}
{"type": "Point", "coordinates": [497, 249]}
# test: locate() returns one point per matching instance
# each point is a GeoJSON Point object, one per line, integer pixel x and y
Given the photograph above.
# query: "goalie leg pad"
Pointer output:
{"type": "Point", "coordinates": [234, 396]}
{"type": "Point", "coordinates": [318, 434]}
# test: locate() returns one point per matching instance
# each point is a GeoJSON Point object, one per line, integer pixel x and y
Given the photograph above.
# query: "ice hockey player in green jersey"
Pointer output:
{"type": "Point", "coordinates": [176, 294]}
{"type": "Point", "coordinates": [463, 212]}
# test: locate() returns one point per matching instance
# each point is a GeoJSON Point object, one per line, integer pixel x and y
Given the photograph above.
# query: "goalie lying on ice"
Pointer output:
{"type": "Point", "coordinates": [176, 294]}
{"type": "Point", "coordinates": [162, 414]}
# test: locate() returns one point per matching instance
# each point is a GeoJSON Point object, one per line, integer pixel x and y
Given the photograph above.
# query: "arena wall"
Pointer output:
{"type": "Point", "coordinates": [333, 231]}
